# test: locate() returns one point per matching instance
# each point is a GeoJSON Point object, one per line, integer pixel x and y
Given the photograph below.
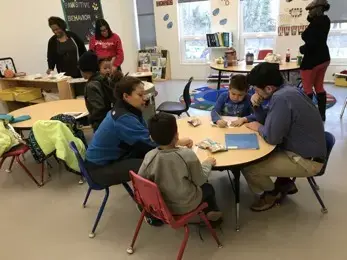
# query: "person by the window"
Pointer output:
{"type": "Point", "coordinates": [64, 49]}
{"type": "Point", "coordinates": [107, 44]}
{"type": "Point", "coordinates": [316, 52]}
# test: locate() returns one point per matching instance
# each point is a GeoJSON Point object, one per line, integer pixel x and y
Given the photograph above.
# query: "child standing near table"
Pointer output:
{"type": "Point", "coordinates": [236, 102]}
{"type": "Point", "coordinates": [180, 176]}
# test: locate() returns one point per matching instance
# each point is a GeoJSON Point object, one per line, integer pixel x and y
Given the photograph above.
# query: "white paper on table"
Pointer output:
{"type": "Point", "coordinates": [228, 119]}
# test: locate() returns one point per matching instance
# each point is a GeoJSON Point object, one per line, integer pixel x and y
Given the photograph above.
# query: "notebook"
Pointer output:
{"type": "Point", "coordinates": [241, 141]}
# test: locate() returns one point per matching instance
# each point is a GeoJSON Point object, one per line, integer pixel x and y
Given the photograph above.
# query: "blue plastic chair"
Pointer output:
{"type": "Point", "coordinates": [94, 186]}
{"type": "Point", "coordinates": [330, 142]}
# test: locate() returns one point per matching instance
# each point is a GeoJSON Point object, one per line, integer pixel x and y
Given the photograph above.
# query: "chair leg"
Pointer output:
{"type": "Point", "coordinates": [128, 189]}
{"type": "Point", "coordinates": [213, 232]}
{"type": "Point", "coordinates": [2, 162]}
{"type": "Point", "coordinates": [130, 249]}
{"type": "Point", "coordinates": [315, 184]}
{"type": "Point", "coordinates": [10, 167]}
{"type": "Point", "coordinates": [237, 175]}
{"type": "Point", "coordinates": [324, 209]}
{"type": "Point", "coordinates": [187, 114]}
{"type": "Point", "coordinates": [101, 210]}
{"type": "Point", "coordinates": [87, 197]}
{"type": "Point", "coordinates": [27, 171]}
{"type": "Point", "coordinates": [184, 242]}
{"type": "Point", "coordinates": [343, 108]}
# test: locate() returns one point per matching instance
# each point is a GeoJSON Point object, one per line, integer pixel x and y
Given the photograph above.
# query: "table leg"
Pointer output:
{"type": "Point", "coordinates": [237, 175]}
{"type": "Point", "coordinates": [219, 80]}
{"type": "Point", "coordinates": [288, 77]}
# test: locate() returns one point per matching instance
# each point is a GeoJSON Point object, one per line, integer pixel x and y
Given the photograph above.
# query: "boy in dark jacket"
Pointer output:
{"type": "Point", "coordinates": [95, 94]}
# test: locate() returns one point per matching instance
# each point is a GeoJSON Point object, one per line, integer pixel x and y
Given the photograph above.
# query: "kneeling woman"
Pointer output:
{"type": "Point", "coordinates": [122, 139]}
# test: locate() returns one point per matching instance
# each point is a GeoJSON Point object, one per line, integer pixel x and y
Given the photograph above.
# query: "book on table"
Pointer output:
{"type": "Point", "coordinates": [241, 141]}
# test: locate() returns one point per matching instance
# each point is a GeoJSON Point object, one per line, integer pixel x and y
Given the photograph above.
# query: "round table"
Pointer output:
{"type": "Point", "coordinates": [46, 110]}
{"type": "Point", "coordinates": [243, 68]}
{"type": "Point", "coordinates": [230, 160]}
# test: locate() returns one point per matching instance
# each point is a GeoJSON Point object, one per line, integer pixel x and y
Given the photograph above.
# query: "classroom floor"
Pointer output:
{"type": "Point", "coordinates": [50, 223]}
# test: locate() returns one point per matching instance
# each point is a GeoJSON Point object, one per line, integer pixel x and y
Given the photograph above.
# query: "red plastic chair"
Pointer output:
{"type": "Point", "coordinates": [15, 153]}
{"type": "Point", "coordinates": [147, 194]}
{"type": "Point", "coordinates": [262, 54]}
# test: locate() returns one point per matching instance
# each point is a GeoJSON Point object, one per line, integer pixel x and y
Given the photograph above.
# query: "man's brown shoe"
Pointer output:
{"type": "Point", "coordinates": [266, 201]}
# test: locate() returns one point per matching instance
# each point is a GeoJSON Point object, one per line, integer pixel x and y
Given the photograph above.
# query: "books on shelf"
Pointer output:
{"type": "Point", "coordinates": [219, 39]}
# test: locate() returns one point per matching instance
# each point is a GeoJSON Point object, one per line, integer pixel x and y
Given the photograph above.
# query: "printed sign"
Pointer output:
{"type": "Point", "coordinates": [164, 2]}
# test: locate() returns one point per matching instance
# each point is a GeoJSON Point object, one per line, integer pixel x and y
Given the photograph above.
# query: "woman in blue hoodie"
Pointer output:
{"type": "Point", "coordinates": [122, 139]}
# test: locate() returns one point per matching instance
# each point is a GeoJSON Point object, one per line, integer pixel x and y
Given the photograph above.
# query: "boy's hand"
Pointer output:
{"type": "Point", "coordinates": [211, 161]}
{"type": "Point", "coordinates": [185, 142]}
{"type": "Point", "coordinates": [239, 122]}
{"type": "Point", "coordinates": [222, 124]}
{"type": "Point", "coordinates": [256, 100]}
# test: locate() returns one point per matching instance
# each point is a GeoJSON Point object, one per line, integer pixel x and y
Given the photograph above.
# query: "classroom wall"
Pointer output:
{"type": "Point", "coordinates": [168, 38]}
{"type": "Point", "coordinates": [25, 32]}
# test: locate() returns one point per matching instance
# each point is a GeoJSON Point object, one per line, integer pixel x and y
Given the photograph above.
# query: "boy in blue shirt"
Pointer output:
{"type": "Point", "coordinates": [235, 102]}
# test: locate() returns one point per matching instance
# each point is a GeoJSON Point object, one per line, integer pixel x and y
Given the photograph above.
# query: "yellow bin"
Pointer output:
{"type": "Point", "coordinates": [21, 94]}
{"type": "Point", "coordinates": [340, 80]}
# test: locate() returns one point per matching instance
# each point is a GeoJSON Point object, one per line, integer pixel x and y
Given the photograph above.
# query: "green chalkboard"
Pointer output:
{"type": "Point", "coordinates": [80, 16]}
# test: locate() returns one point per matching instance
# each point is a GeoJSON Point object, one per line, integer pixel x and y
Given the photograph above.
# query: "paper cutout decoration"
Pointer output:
{"type": "Point", "coordinates": [215, 12]}
{"type": "Point", "coordinates": [295, 12]}
{"type": "Point", "coordinates": [280, 30]}
{"type": "Point", "coordinates": [301, 28]}
{"type": "Point", "coordinates": [166, 17]}
{"type": "Point", "coordinates": [226, 2]}
{"type": "Point", "coordinates": [223, 21]}
{"type": "Point", "coordinates": [286, 30]}
{"type": "Point", "coordinates": [294, 30]}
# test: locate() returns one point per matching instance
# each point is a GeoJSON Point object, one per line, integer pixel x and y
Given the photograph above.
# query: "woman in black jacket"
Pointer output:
{"type": "Point", "coordinates": [64, 49]}
{"type": "Point", "coordinates": [316, 52]}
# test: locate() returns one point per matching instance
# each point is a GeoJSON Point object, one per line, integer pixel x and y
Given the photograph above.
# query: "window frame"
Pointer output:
{"type": "Point", "coordinates": [254, 35]}
{"type": "Point", "coordinates": [183, 38]}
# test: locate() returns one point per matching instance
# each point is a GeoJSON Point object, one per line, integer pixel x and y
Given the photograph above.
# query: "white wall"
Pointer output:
{"type": "Point", "coordinates": [26, 37]}
{"type": "Point", "coordinates": [169, 39]}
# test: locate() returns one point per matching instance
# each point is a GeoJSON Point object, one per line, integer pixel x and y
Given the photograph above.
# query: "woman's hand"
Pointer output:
{"type": "Point", "coordinates": [239, 122]}
{"type": "Point", "coordinates": [222, 124]}
{"type": "Point", "coordinates": [185, 142]}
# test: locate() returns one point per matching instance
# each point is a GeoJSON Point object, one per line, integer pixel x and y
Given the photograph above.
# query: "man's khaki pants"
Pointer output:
{"type": "Point", "coordinates": [279, 163]}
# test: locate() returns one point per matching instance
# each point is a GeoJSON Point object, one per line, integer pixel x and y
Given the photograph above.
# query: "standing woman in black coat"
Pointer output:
{"type": "Point", "coordinates": [316, 52]}
{"type": "Point", "coordinates": [64, 49]}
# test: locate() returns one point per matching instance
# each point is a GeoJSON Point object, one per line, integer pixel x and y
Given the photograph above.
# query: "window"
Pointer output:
{"type": "Point", "coordinates": [337, 41]}
{"type": "Point", "coordinates": [194, 24]}
{"type": "Point", "coordinates": [258, 25]}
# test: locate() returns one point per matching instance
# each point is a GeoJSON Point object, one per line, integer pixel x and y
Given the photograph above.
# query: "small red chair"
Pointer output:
{"type": "Point", "coordinates": [262, 53]}
{"type": "Point", "coordinates": [15, 153]}
{"type": "Point", "coordinates": [147, 194]}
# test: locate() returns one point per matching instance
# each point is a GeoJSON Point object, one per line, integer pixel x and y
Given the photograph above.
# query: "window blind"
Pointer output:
{"type": "Point", "coordinates": [338, 11]}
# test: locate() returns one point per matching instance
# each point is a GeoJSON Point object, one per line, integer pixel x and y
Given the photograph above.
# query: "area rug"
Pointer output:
{"type": "Point", "coordinates": [204, 98]}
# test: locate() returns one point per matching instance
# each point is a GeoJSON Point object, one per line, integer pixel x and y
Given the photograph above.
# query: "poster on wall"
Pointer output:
{"type": "Point", "coordinates": [164, 2]}
{"type": "Point", "coordinates": [80, 16]}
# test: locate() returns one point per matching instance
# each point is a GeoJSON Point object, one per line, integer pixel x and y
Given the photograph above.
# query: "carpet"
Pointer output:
{"type": "Point", "coordinates": [204, 98]}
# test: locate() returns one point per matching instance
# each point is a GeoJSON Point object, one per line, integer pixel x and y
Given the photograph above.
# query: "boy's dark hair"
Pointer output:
{"type": "Point", "coordinates": [88, 62]}
{"type": "Point", "coordinates": [239, 82]}
{"type": "Point", "coordinates": [265, 74]}
{"type": "Point", "coordinates": [100, 23]}
{"type": "Point", "coordinates": [125, 85]}
{"type": "Point", "coordinates": [162, 128]}
{"type": "Point", "coordinates": [54, 20]}
{"type": "Point", "coordinates": [101, 60]}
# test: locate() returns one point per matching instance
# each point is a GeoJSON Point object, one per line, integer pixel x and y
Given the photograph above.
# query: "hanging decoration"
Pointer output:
{"type": "Point", "coordinates": [226, 2]}
{"type": "Point", "coordinates": [295, 12]}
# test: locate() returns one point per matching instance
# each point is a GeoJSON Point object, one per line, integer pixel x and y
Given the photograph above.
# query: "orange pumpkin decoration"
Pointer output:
{"type": "Point", "coordinates": [8, 73]}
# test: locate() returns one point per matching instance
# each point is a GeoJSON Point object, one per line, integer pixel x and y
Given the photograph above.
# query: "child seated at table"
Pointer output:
{"type": "Point", "coordinates": [236, 102]}
{"type": "Point", "coordinates": [180, 176]}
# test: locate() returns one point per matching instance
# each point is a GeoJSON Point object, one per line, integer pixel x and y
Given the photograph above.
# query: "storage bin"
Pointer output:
{"type": "Point", "coordinates": [340, 80]}
{"type": "Point", "coordinates": [21, 94]}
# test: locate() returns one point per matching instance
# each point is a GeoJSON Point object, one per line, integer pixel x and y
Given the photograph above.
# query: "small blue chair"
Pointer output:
{"type": "Point", "coordinates": [94, 186]}
{"type": "Point", "coordinates": [330, 142]}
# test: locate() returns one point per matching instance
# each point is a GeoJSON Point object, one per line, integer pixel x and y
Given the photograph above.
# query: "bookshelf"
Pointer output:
{"type": "Point", "coordinates": [218, 43]}
{"type": "Point", "coordinates": [156, 61]}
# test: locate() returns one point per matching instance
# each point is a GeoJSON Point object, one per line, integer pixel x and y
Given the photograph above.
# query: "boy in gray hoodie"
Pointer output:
{"type": "Point", "coordinates": [180, 176]}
